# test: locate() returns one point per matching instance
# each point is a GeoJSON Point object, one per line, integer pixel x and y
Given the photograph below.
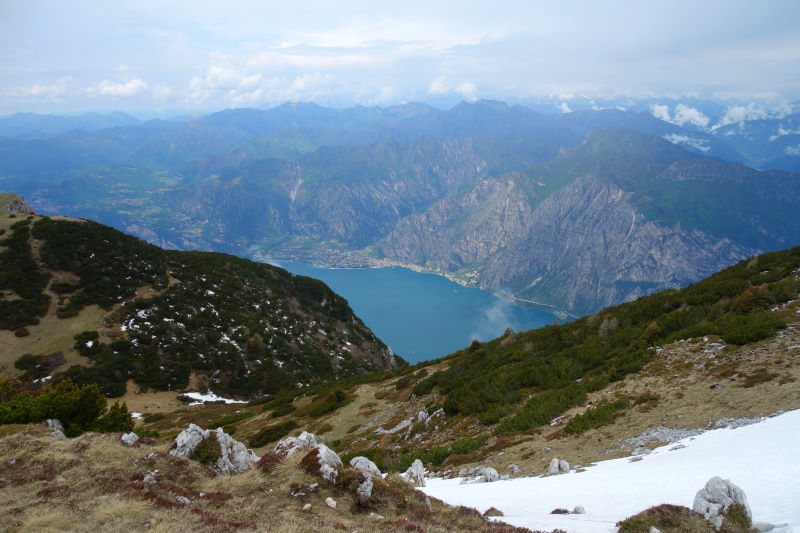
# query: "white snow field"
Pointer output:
{"type": "Point", "coordinates": [762, 458]}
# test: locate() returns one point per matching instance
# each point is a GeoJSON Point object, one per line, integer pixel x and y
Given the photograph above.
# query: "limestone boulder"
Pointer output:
{"type": "Point", "coordinates": [713, 500]}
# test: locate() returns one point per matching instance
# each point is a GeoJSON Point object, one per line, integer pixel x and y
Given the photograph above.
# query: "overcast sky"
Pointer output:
{"type": "Point", "coordinates": [68, 56]}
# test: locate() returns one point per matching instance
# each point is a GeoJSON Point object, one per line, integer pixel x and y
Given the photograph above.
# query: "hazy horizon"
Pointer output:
{"type": "Point", "coordinates": [200, 56]}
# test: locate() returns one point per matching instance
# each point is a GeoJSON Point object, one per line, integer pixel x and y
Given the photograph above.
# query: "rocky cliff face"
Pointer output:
{"type": "Point", "coordinates": [12, 204]}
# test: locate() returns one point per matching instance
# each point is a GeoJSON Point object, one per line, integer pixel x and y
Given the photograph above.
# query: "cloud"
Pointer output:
{"type": "Point", "coordinates": [442, 85]}
{"type": "Point", "coordinates": [752, 111]}
{"type": "Point", "coordinates": [111, 88]}
{"type": "Point", "coordinates": [565, 108]}
{"type": "Point", "coordinates": [52, 90]}
{"type": "Point", "coordinates": [793, 150]}
{"type": "Point", "coordinates": [684, 114]}
{"type": "Point", "coordinates": [492, 323]}
{"type": "Point", "coordinates": [698, 144]}
{"type": "Point", "coordinates": [661, 112]}
{"type": "Point", "coordinates": [782, 132]}
{"type": "Point", "coordinates": [689, 115]}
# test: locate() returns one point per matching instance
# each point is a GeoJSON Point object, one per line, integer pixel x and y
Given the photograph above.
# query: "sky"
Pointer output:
{"type": "Point", "coordinates": [78, 56]}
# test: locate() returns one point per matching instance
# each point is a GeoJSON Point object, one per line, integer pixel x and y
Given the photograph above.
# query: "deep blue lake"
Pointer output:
{"type": "Point", "coordinates": [422, 316]}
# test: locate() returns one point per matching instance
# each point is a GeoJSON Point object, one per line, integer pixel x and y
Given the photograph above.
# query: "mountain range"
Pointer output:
{"type": "Point", "coordinates": [570, 212]}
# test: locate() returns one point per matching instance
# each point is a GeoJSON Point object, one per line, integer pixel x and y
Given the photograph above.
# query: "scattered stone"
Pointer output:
{"type": "Point", "coordinates": [493, 511]}
{"type": "Point", "coordinates": [365, 465]}
{"type": "Point", "coordinates": [149, 479]}
{"type": "Point", "coordinates": [579, 510]}
{"type": "Point", "coordinates": [716, 497]}
{"type": "Point", "coordinates": [330, 502]}
{"type": "Point", "coordinates": [635, 459]}
{"type": "Point", "coordinates": [514, 469]}
{"type": "Point", "coordinates": [505, 477]}
{"type": "Point", "coordinates": [289, 445]}
{"type": "Point", "coordinates": [322, 461]}
{"type": "Point", "coordinates": [716, 386]}
{"type": "Point", "coordinates": [307, 507]}
{"type": "Point", "coordinates": [558, 466]}
{"type": "Point", "coordinates": [559, 511]}
{"type": "Point", "coordinates": [641, 450]}
{"type": "Point", "coordinates": [663, 434]}
{"type": "Point", "coordinates": [183, 499]}
{"type": "Point", "coordinates": [375, 516]}
{"type": "Point", "coordinates": [654, 529]}
{"type": "Point", "coordinates": [130, 439]}
{"type": "Point", "coordinates": [487, 474]}
{"type": "Point", "coordinates": [415, 473]}
{"type": "Point", "coordinates": [678, 447]}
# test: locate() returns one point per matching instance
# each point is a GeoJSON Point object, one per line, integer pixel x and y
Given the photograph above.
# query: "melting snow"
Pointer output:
{"type": "Point", "coordinates": [762, 458]}
{"type": "Point", "coordinates": [210, 397]}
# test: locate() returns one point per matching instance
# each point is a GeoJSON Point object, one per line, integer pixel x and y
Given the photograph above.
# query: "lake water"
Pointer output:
{"type": "Point", "coordinates": [422, 316]}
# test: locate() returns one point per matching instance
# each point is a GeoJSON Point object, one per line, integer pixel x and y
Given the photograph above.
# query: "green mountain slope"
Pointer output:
{"type": "Point", "coordinates": [239, 327]}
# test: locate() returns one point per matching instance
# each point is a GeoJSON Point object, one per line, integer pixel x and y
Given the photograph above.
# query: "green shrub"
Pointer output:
{"type": "Point", "coordinates": [207, 452]}
{"type": "Point", "coordinates": [758, 324]}
{"type": "Point", "coordinates": [272, 433]}
{"type": "Point", "coordinates": [230, 419]}
{"type": "Point", "coordinates": [600, 414]}
{"type": "Point", "coordinates": [116, 419]}
{"type": "Point", "coordinates": [666, 518]}
{"type": "Point", "coordinates": [78, 407]}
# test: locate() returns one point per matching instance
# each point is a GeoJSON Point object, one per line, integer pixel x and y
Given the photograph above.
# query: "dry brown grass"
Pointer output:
{"type": "Point", "coordinates": [94, 483]}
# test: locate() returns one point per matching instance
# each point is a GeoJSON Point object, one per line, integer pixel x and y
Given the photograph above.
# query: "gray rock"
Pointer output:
{"type": "Point", "coordinates": [365, 465]}
{"type": "Point", "coordinates": [328, 460]}
{"type": "Point", "coordinates": [235, 457]}
{"type": "Point", "coordinates": [716, 497]}
{"type": "Point", "coordinates": [55, 423]}
{"type": "Point", "coordinates": [514, 469]}
{"type": "Point", "coordinates": [149, 479]}
{"type": "Point", "coordinates": [654, 529]}
{"type": "Point", "coordinates": [130, 438]}
{"type": "Point", "coordinates": [579, 510]}
{"type": "Point", "coordinates": [563, 466]}
{"type": "Point", "coordinates": [487, 474]}
{"type": "Point", "coordinates": [289, 445]}
{"type": "Point", "coordinates": [57, 427]}
{"type": "Point", "coordinates": [183, 499]}
{"type": "Point", "coordinates": [187, 440]}
{"type": "Point", "coordinates": [415, 473]}
{"type": "Point", "coordinates": [330, 502]}
{"type": "Point", "coordinates": [307, 507]}
{"type": "Point", "coordinates": [553, 468]}
{"type": "Point", "coordinates": [505, 477]}
{"type": "Point", "coordinates": [364, 490]}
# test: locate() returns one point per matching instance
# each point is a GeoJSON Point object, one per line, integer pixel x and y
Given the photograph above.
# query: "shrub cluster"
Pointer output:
{"type": "Point", "coordinates": [555, 366]}
{"type": "Point", "coordinates": [79, 407]}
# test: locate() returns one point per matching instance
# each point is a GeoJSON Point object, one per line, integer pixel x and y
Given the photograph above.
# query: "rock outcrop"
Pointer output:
{"type": "Point", "coordinates": [129, 439]}
{"type": "Point", "coordinates": [558, 466]}
{"type": "Point", "coordinates": [713, 500]}
{"type": "Point", "coordinates": [365, 465]}
{"type": "Point", "coordinates": [12, 204]}
{"type": "Point", "coordinates": [323, 462]}
{"type": "Point", "coordinates": [234, 457]}
{"type": "Point", "coordinates": [415, 473]}
{"type": "Point", "coordinates": [289, 445]}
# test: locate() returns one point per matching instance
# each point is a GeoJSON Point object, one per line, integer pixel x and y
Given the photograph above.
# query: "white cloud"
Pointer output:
{"type": "Point", "coordinates": [565, 108]}
{"type": "Point", "coordinates": [684, 114]}
{"type": "Point", "coordinates": [793, 150]}
{"type": "Point", "coordinates": [782, 132]}
{"type": "Point", "coordinates": [752, 111]}
{"type": "Point", "coordinates": [111, 88]}
{"type": "Point", "coordinates": [661, 112]}
{"type": "Point", "coordinates": [52, 90]}
{"type": "Point", "coordinates": [442, 85]}
{"type": "Point", "coordinates": [698, 144]}
{"type": "Point", "coordinates": [689, 115]}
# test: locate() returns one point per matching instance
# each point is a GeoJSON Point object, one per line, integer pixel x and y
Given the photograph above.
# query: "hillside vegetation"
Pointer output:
{"type": "Point", "coordinates": [242, 328]}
